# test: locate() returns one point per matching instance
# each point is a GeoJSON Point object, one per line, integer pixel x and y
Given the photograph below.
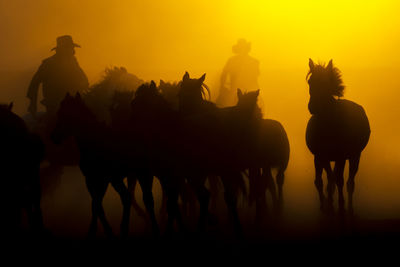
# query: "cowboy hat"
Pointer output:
{"type": "Point", "coordinates": [65, 41]}
{"type": "Point", "coordinates": [242, 46]}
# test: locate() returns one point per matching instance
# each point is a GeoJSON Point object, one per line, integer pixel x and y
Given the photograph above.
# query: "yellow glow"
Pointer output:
{"type": "Point", "coordinates": [345, 30]}
{"type": "Point", "coordinates": [162, 39]}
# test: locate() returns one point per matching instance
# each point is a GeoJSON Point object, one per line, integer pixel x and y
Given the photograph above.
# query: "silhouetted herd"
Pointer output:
{"type": "Point", "coordinates": [173, 133]}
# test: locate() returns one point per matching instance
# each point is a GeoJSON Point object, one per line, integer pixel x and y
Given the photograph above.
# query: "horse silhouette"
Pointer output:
{"type": "Point", "coordinates": [338, 130]}
{"type": "Point", "coordinates": [265, 147]}
{"type": "Point", "coordinates": [105, 157]}
{"type": "Point", "coordinates": [157, 125]}
{"type": "Point", "coordinates": [210, 148]}
{"type": "Point", "coordinates": [231, 140]}
{"type": "Point", "coordinates": [170, 92]}
{"type": "Point", "coordinates": [22, 153]}
{"type": "Point", "coordinates": [121, 119]}
{"type": "Point", "coordinates": [110, 100]}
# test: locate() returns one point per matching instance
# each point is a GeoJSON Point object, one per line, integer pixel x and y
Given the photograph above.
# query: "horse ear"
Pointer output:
{"type": "Point", "coordinates": [311, 64]}
{"type": "Point", "coordinates": [330, 65]}
{"type": "Point", "coordinates": [258, 92]}
{"type": "Point", "coordinates": [239, 93]}
{"type": "Point", "coordinates": [186, 76]}
{"type": "Point", "coordinates": [202, 78]}
{"type": "Point", "coordinates": [78, 96]}
{"type": "Point", "coordinates": [162, 83]}
{"type": "Point", "coordinates": [153, 84]}
{"type": "Point", "coordinates": [10, 106]}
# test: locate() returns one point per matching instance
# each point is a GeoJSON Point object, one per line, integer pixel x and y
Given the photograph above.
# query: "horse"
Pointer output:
{"type": "Point", "coordinates": [22, 154]}
{"type": "Point", "coordinates": [265, 147]}
{"type": "Point", "coordinates": [121, 119]}
{"type": "Point", "coordinates": [241, 140]}
{"type": "Point", "coordinates": [337, 131]}
{"type": "Point", "coordinates": [105, 157]}
{"type": "Point", "coordinates": [170, 92]}
{"type": "Point", "coordinates": [156, 124]}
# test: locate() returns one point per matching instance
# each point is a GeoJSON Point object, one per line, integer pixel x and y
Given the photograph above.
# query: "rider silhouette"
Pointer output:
{"type": "Point", "coordinates": [242, 71]}
{"type": "Point", "coordinates": [58, 74]}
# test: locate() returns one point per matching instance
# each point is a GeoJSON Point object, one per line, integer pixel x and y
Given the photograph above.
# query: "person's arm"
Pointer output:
{"type": "Point", "coordinates": [224, 75]}
{"type": "Point", "coordinates": [33, 90]}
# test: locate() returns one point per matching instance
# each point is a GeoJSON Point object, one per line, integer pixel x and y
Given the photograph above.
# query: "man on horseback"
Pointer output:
{"type": "Point", "coordinates": [58, 74]}
{"type": "Point", "coordinates": [241, 71]}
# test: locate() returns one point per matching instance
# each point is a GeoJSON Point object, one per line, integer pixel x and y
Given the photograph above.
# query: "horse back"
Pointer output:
{"type": "Point", "coordinates": [342, 131]}
{"type": "Point", "coordinates": [270, 144]}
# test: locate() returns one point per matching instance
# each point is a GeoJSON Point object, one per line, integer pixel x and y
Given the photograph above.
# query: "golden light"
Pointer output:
{"type": "Point", "coordinates": [345, 30]}
{"type": "Point", "coordinates": [163, 39]}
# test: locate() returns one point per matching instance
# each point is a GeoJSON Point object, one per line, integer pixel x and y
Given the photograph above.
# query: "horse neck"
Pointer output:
{"type": "Point", "coordinates": [322, 105]}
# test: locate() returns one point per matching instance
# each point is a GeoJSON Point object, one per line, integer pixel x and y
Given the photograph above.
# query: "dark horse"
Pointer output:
{"type": "Point", "coordinates": [337, 131]}
{"type": "Point", "coordinates": [21, 155]}
{"type": "Point", "coordinates": [105, 157]}
{"type": "Point", "coordinates": [231, 140]}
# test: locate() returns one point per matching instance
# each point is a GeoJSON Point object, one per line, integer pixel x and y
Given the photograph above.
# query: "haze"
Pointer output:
{"type": "Point", "coordinates": [163, 39]}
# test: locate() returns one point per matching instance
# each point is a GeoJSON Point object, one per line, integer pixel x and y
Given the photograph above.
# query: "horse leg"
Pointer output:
{"type": "Point", "coordinates": [97, 190]}
{"type": "Point", "coordinates": [254, 184]}
{"type": "Point", "coordinates": [146, 183]}
{"type": "Point", "coordinates": [125, 196]}
{"type": "Point", "coordinates": [353, 168]}
{"type": "Point", "coordinates": [330, 188]}
{"type": "Point", "coordinates": [319, 184]}
{"type": "Point", "coordinates": [339, 173]}
{"type": "Point", "coordinates": [231, 185]}
{"type": "Point", "coordinates": [257, 187]}
{"type": "Point", "coordinates": [271, 186]}
{"type": "Point", "coordinates": [164, 200]}
{"type": "Point", "coordinates": [203, 195]}
{"type": "Point", "coordinates": [213, 180]}
{"type": "Point", "coordinates": [170, 186]}
{"type": "Point", "coordinates": [132, 182]}
{"type": "Point", "coordinates": [280, 177]}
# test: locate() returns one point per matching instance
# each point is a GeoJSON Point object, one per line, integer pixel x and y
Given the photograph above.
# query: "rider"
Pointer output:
{"type": "Point", "coordinates": [242, 70]}
{"type": "Point", "coordinates": [59, 74]}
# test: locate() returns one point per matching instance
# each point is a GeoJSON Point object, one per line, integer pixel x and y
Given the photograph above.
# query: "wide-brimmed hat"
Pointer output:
{"type": "Point", "coordinates": [65, 41]}
{"type": "Point", "coordinates": [242, 46]}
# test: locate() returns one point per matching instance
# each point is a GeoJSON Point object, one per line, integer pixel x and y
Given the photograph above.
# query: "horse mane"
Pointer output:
{"type": "Point", "coordinates": [100, 96]}
{"type": "Point", "coordinates": [333, 74]}
{"type": "Point", "coordinates": [196, 91]}
{"type": "Point", "coordinates": [116, 79]}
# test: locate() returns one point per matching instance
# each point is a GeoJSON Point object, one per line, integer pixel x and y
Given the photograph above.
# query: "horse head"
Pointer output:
{"type": "Point", "coordinates": [72, 116]}
{"type": "Point", "coordinates": [247, 104]}
{"type": "Point", "coordinates": [148, 99]}
{"type": "Point", "coordinates": [325, 83]}
{"type": "Point", "coordinates": [191, 92]}
{"type": "Point", "coordinates": [170, 92]}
